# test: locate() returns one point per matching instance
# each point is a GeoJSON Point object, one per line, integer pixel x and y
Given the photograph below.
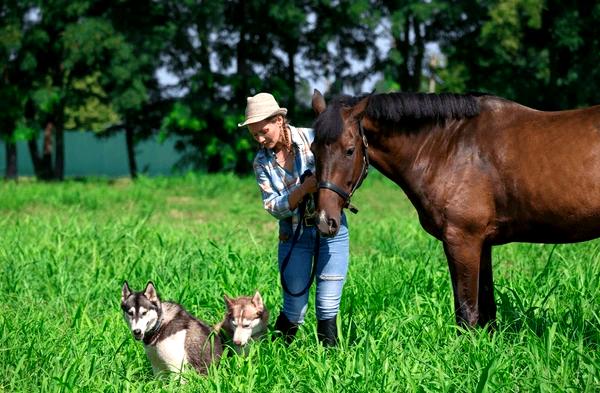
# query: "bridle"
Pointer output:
{"type": "Point", "coordinates": [363, 175]}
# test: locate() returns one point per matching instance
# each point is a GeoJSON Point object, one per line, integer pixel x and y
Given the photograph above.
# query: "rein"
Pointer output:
{"type": "Point", "coordinates": [301, 225]}
{"type": "Point", "coordinates": [363, 175]}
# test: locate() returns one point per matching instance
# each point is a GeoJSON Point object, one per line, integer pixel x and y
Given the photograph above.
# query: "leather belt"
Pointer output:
{"type": "Point", "coordinates": [309, 221]}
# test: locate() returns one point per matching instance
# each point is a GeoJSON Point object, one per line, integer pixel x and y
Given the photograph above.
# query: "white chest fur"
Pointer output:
{"type": "Point", "coordinates": [168, 354]}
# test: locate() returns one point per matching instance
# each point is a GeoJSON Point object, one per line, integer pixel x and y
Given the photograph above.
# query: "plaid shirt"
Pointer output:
{"type": "Point", "coordinates": [276, 183]}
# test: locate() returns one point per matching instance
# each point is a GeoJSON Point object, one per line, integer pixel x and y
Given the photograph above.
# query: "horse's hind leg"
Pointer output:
{"type": "Point", "coordinates": [463, 252]}
{"type": "Point", "coordinates": [487, 304]}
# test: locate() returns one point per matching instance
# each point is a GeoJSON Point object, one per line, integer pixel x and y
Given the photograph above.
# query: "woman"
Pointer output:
{"type": "Point", "coordinates": [283, 157]}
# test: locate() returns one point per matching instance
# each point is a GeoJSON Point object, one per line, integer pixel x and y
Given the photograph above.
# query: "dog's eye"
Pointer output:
{"type": "Point", "coordinates": [144, 313]}
{"type": "Point", "coordinates": [233, 322]}
{"type": "Point", "coordinates": [130, 312]}
{"type": "Point", "coordinates": [246, 325]}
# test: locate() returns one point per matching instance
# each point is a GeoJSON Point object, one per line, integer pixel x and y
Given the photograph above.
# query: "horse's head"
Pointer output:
{"type": "Point", "coordinates": [340, 151]}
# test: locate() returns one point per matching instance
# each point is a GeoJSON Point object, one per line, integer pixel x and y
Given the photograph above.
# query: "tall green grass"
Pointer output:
{"type": "Point", "coordinates": [65, 250]}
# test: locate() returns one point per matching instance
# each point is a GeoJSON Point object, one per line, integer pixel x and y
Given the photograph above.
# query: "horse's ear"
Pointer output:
{"type": "Point", "coordinates": [359, 109]}
{"type": "Point", "coordinates": [318, 102]}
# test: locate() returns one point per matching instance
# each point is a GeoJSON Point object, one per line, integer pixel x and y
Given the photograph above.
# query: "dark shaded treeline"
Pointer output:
{"type": "Point", "coordinates": [94, 65]}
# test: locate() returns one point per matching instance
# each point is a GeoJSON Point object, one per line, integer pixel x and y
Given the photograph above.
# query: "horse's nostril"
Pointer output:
{"type": "Point", "coordinates": [332, 224]}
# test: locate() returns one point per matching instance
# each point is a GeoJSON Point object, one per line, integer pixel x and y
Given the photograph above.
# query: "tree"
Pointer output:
{"type": "Point", "coordinates": [14, 23]}
{"type": "Point", "coordinates": [130, 71]}
{"type": "Point", "coordinates": [344, 35]}
{"type": "Point", "coordinates": [226, 51]}
{"type": "Point", "coordinates": [50, 80]}
{"type": "Point", "coordinates": [540, 53]}
{"type": "Point", "coordinates": [410, 26]}
{"type": "Point", "coordinates": [200, 56]}
{"type": "Point", "coordinates": [86, 69]}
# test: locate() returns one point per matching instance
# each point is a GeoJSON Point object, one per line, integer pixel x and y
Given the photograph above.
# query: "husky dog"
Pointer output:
{"type": "Point", "coordinates": [246, 318]}
{"type": "Point", "coordinates": [172, 337]}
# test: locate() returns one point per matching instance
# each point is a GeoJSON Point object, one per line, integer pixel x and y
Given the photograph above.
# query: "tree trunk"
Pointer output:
{"type": "Point", "coordinates": [241, 90]}
{"type": "Point", "coordinates": [46, 172]}
{"type": "Point", "coordinates": [204, 59]}
{"type": "Point", "coordinates": [11, 161]}
{"type": "Point", "coordinates": [403, 45]}
{"type": "Point", "coordinates": [59, 153]}
{"type": "Point", "coordinates": [131, 152]}
{"type": "Point", "coordinates": [35, 156]}
{"type": "Point", "coordinates": [419, 46]}
{"type": "Point", "coordinates": [291, 52]}
{"type": "Point", "coordinates": [412, 54]}
{"type": "Point", "coordinates": [214, 164]}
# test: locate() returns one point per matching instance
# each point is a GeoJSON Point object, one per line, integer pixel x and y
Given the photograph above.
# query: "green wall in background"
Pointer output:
{"type": "Point", "coordinates": [86, 155]}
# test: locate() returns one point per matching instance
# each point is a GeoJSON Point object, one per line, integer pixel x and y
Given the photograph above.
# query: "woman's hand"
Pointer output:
{"type": "Point", "coordinates": [310, 184]}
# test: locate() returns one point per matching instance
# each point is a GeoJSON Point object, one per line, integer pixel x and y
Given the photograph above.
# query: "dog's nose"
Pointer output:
{"type": "Point", "coordinates": [137, 332]}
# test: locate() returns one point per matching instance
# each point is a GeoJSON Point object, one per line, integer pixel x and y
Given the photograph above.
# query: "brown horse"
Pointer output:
{"type": "Point", "coordinates": [480, 170]}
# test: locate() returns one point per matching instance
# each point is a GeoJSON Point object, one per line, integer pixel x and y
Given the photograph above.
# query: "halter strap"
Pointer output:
{"type": "Point", "coordinates": [334, 188]}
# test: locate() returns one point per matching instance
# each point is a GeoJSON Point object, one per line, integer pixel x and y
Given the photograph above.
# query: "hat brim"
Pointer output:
{"type": "Point", "coordinates": [257, 118]}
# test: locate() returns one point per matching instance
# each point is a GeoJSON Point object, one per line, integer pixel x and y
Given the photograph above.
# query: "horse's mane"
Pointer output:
{"type": "Point", "coordinates": [409, 108]}
{"type": "Point", "coordinates": [397, 107]}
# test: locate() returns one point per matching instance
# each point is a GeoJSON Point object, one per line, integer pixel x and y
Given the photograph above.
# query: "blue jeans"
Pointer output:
{"type": "Point", "coordinates": [332, 267]}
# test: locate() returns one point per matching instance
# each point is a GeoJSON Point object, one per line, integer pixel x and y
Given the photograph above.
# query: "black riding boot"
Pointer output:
{"type": "Point", "coordinates": [284, 328]}
{"type": "Point", "coordinates": [327, 332]}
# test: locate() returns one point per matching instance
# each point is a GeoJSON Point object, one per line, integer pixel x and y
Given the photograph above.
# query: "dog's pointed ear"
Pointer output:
{"type": "Point", "coordinates": [318, 102]}
{"type": "Point", "coordinates": [125, 291]}
{"type": "Point", "coordinates": [150, 292]}
{"type": "Point", "coordinates": [228, 301]}
{"type": "Point", "coordinates": [257, 300]}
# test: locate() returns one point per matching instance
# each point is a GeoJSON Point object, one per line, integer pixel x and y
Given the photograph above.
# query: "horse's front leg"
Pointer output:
{"type": "Point", "coordinates": [487, 304]}
{"type": "Point", "coordinates": [463, 251]}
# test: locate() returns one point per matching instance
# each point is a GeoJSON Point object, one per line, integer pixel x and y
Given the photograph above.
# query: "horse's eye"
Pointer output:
{"type": "Point", "coordinates": [349, 152]}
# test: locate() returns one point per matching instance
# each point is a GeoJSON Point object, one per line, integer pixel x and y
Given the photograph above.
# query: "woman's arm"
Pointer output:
{"type": "Point", "coordinates": [279, 205]}
{"type": "Point", "coordinates": [308, 187]}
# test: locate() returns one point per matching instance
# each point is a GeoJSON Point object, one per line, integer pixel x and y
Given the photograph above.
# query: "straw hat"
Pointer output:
{"type": "Point", "coordinates": [261, 107]}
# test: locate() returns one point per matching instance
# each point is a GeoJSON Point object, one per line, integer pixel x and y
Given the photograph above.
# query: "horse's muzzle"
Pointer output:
{"type": "Point", "coordinates": [328, 227]}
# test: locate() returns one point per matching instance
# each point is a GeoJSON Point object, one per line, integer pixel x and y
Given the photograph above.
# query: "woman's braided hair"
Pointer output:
{"type": "Point", "coordinates": [285, 131]}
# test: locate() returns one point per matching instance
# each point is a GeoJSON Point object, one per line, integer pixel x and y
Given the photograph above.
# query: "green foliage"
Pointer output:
{"type": "Point", "coordinates": [66, 249]}
{"type": "Point", "coordinates": [507, 20]}
{"type": "Point", "coordinates": [10, 40]}
{"type": "Point", "coordinates": [546, 49]}
{"type": "Point", "coordinates": [11, 90]}
{"type": "Point", "coordinates": [181, 118]}
{"type": "Point", "coordinates": [23, 132]}
{"type": "Point", "coordinates": [81, 65]}
{"type": "Point", "coordinates": [47, 97]}
{"type": "Point", "coordinates": [95, 113]}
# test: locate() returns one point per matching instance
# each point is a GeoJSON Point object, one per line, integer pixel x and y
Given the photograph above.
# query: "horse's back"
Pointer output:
{"type": "Point", "coordinates": [544, 169]}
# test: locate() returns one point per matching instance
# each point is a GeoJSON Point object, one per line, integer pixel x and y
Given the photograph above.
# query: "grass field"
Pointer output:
{"type": "Point", "coordinates": [66, 248]}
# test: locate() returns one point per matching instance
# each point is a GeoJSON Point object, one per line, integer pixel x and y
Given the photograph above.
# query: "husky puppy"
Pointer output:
{"type": "Point", "coordinates": [172, 337]}
{"type": "Point", "coordinates": [246, 319]}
